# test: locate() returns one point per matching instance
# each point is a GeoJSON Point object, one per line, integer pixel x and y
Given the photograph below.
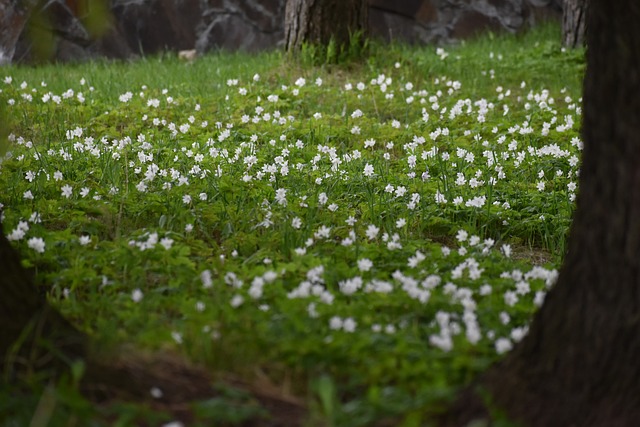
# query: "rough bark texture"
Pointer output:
{"type": "Point", "coordinates": [317, 21]}
{"type": "Point", "coordinates": [580, 363]}
{"type": "Point", "coordinates": [574, 23]}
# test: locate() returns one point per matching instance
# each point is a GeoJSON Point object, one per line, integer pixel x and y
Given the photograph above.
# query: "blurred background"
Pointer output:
{"type": "Point", "coordinates": [77, 30]}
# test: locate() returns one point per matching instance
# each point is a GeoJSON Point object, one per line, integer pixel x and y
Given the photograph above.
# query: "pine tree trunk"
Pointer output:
{"type": "Point", "coordinates": [317, 21]}
{"type": "Point", "coordinates": [574, 23]}
{"type": "Point", "coordinates": [580, 363]}
{"type": "Point", "coordinates": [34, 337]}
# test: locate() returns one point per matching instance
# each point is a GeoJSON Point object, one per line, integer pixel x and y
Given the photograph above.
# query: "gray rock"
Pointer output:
{"type": "Point", "coordinates": [246, 25]}
{"type": "Point", "coordinates": [142, 27]}
{"type": "Point", "coordinates": [13, 17]}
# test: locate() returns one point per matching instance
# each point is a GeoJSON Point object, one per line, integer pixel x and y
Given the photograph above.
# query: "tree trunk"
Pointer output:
{"type": "Point", "coordinates": [574, 23]}
{"type": "Point", "coordinates": [318, 21]}
{"type": "Point", "coordinates": [580, 363]}
{"type": "Point", "coordinates": [34, 337]}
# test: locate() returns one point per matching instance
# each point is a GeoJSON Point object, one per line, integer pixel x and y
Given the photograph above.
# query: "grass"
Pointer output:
{"type": "Point", "coordinates": [366, 237]}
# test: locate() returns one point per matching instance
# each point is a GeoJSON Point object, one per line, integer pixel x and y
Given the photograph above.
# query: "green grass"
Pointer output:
{"type": "Point", "coordinates": [259, 284]}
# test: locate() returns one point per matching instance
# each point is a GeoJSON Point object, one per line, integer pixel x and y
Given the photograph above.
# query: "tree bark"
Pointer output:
{"type": "Point", "coordinates": [574, 23]}
{"type": "Point", "coordinates": [318, 21]}
{"type": "Point", "coordinates": [580, 363]}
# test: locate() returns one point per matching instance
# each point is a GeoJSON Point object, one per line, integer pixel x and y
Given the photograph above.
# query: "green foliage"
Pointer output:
{"type": "Point", "coordinates": [157, 190]}
{"type": "Point", "coordinates": [334, 53]}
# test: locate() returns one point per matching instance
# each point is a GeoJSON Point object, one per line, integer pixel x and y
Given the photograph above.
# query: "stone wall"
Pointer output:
{"type": "Point", "coordinates": [150, 26]}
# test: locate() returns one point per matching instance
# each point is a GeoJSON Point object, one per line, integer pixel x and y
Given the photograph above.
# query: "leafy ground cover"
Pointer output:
{"type": "Point", "coordinates": [364, 238]}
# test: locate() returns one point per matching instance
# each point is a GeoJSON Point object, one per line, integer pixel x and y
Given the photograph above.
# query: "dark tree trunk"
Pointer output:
{"type": "Point", "coordinates": [574, 23]}
{"type": "Point", "coordinates": [580, 363]}
{"type": "Point", "coordinates": [318, 21]}
{"type": "Point", "coordinates": [34, 335]}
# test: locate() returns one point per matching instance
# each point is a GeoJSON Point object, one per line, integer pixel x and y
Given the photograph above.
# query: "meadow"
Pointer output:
{"type": "Point", "coordinates": [363, 237]}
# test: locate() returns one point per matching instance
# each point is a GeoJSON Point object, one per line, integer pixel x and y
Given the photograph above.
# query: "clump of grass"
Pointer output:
{"type": "Point", "coordinates": [350, 233]}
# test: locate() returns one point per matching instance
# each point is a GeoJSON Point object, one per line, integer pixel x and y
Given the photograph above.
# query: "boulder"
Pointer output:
{"type": "Point", "coordinates": [445, 21]}
{"type": "Point", "coordinates": [13, 17]}
{"type": "Point", "coordinates": [55, 29]}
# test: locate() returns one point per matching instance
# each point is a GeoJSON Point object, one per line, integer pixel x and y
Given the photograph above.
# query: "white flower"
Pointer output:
{"type": "Point", "coordinates": [156, 393]}
{"type": "Point", "coordinates": [177, 337]}
{"type": "Point", "coordinates": [372, 232]}
{"type": "Point", "coordinates": [365, 264]}
{"type": "Point", "coordinates": [368, 170]}
{"type": "Point", "coordinates": [141, 186]}
{"type": "Point", "coordinates": [166, 242]}
{"type": "Point", "coordinates": [349, 325]}
{"type": "Point", "coordinates": [17, 234]}
{"type": "Point", "coordinates": [281, 196]}
{"type": "Point", "coordinates": [518, 333]}
{"type": "Point", "coordinates": [462, 236]}
{"type": "Point", "coordinates": [503, 345]}
{"type": "Point", "coordinates": [84, 240]}
{"type": "Point", "coordinates": [37, 244]}
{"type": "Point", "coordinates": [67, 191]}
{"type": "Point", "coordinates": [416, 259]}
{"type": "Point", "coordinates": [539, 298]}
{"type": "Point", "coordinates": [506, 250]}
{"type": "Point", "coordinates": [137, 295]}
{"type": "Point", "coordinates": [476, 202]}
{"type": "Point", "coordinates": [296, 223]}
{"type": "Point", "coordinates": [126, 97]}
{"type": "Point", "coordinates": [205, 277]}
{"type": "Point", "coordinates": [323, 232]}
{"type": "Point", "coordinates": [186, 199]}
{"type": "Point", "coordinates": [236, 301]}
{"type": "Point", "coordinates": [335, 323]}
{"type": "Point", "coordinates": [401, 223]}
{"type": "Point", "coordinates": [485, 290]}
